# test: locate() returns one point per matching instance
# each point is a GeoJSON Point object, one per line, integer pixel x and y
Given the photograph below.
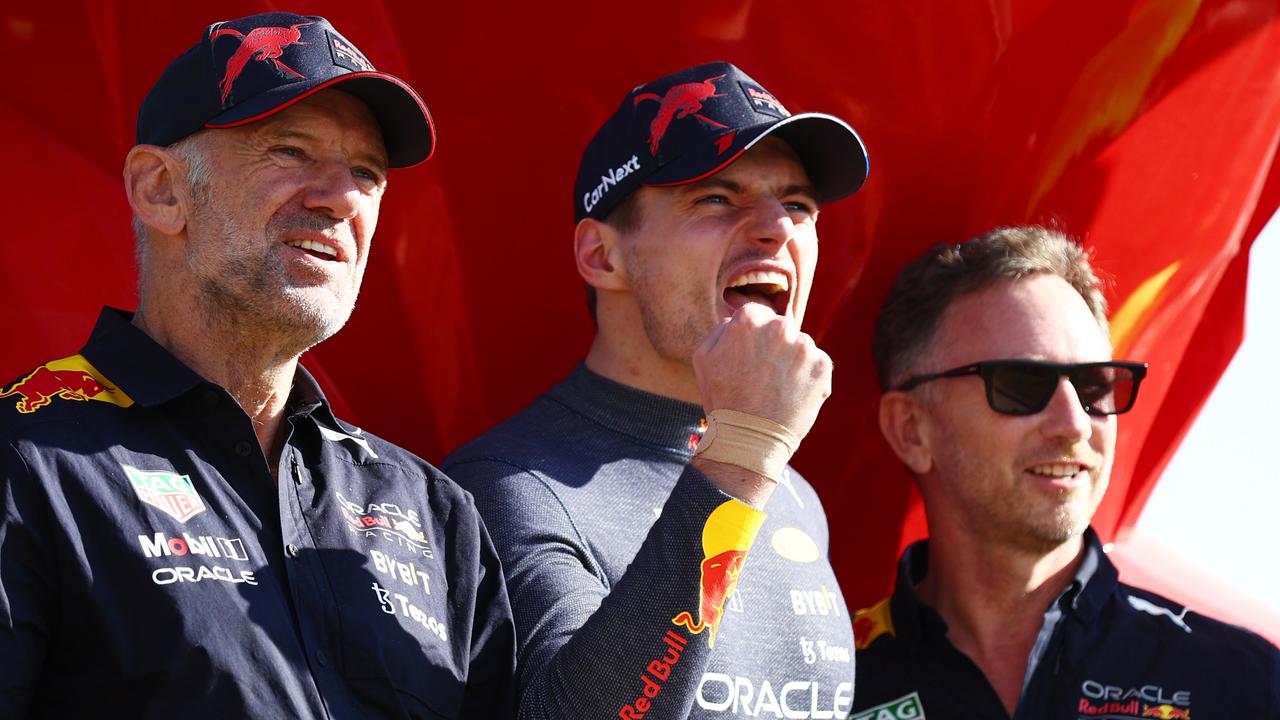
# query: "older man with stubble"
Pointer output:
{"type": "Point", "coordinates": [1001, 397]}
{"type": "Point", "coordinates": [187, 529]}
{"type": "Point", "coordinates": [628, 503]}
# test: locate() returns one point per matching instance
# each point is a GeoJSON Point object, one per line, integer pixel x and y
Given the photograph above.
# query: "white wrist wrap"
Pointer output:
{"type": "Point", "coordinates": [747, 441]}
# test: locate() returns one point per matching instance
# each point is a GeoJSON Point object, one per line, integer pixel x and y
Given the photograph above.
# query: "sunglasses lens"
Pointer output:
{"type": "Point", "coordinates": [1021, 389]}
{"type": "Point", "coordinates": [1105, 390]}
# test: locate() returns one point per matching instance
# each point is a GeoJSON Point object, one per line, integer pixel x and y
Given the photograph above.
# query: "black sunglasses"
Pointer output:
{"type": "Point", "coordinates": [1024, 387]}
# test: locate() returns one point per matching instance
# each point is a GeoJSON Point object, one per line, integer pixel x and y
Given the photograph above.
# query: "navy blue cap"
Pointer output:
{"type": "Point", "coordinates": [247, 69]}
{"type": "Point", "coordinates": [692, 124]}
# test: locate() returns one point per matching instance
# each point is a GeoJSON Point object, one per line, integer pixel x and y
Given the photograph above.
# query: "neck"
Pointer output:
{"type": "Point", "coordinates": [257, 372]}
{"type": "Point", "coordinates": [638, 365]}
{"type": "Point", "coordinates": [993, 599]}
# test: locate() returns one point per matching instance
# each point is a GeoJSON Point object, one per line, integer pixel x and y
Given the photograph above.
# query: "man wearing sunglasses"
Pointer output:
{"type": "Point", "coordinates": [1001, 397]}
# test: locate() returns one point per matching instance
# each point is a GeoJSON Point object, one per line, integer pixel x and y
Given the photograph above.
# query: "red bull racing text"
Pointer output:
{"type": "Point", "coordinates": [657, 672]}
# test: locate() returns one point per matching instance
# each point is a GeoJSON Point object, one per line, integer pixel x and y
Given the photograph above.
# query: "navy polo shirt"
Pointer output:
{"type": "Point", "coordinates": [1108, 652]}
{"type": "Point", "coordinates": [150, 566]}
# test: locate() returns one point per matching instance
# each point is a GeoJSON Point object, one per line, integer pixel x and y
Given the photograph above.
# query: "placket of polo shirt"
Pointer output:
{"type": "Point", "coordinates": [313, 601]}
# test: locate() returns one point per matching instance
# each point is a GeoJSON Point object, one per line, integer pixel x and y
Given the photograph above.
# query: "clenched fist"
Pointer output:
{"type": "Point", "coordinates": [760, 363]}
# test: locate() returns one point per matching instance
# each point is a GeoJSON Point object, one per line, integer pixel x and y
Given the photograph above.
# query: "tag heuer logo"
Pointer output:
{"type": "Point", "coordinates": [904, 708]}
{"type": "Point", "coordinates": [170, 492]}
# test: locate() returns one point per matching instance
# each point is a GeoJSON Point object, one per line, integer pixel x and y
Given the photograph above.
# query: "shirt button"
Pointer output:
{"type": "Point", "coordinates": [321, 658]}
{"type": "Point", "coordinates": [243, 448]}
{"type": "Point", "coordinates": [291, 550]}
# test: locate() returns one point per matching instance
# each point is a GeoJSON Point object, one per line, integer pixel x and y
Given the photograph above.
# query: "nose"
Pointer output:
{"type": "Point", "coordinates": [333, 191]}
{"type": "Point", "coordinates": [772, 224]}
{"type": "Point", "coordinates": [1064, 417]}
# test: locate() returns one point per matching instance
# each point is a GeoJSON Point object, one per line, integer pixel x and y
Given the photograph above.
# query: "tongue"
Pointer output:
{"type": "Point", "coordinates": [736, 298]}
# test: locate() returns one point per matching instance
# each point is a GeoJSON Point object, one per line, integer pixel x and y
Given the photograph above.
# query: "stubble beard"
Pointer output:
{"type": "Point", "coordinates": [673, 335]}
{"type": "Point", "coordinates": [250, 294]}
{"type": "Point", "coordinates": [1015, 516]}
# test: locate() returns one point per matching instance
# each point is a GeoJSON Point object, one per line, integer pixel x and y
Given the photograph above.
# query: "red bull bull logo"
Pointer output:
{"type": "Point", "coordinates": [1166, 711]}
{"type": "Point", "coordinates": [680, 101]}
{"type": "Point", "coordinates": [871, 623]}
{"type": "Point", "coordinates": [70, 378]}
{"type": "Point", "coordinates": [726, 537]}
{"type": "Point", "coordinates": [262, 44]}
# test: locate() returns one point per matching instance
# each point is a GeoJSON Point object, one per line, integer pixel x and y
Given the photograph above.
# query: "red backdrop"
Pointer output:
{"type": "Point", "coordinates": [1146, 127]}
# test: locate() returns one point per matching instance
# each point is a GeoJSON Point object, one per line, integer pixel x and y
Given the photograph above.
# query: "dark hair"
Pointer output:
{"type": "Point", "coordinates": [928, 285]}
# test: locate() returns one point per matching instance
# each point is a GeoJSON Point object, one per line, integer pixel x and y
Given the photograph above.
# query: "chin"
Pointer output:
{"type": "Point", "coordinates": [314, 320]}
{"type": "Point", "coordinates": [1064, 526]}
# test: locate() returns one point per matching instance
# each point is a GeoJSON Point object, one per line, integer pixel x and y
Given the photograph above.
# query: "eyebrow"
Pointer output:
{"type": "Point", "coordinates": [378, 160]}
{"type": "Point", "coordinates": [734, 187]}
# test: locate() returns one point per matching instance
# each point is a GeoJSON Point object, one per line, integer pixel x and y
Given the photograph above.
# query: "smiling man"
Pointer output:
{"type": "Point", "coordinates": [1001, 397]}
{"type": "Point", "coordinates": [187, 530]}
{"type": "Point", "coordinates": [627, 503]}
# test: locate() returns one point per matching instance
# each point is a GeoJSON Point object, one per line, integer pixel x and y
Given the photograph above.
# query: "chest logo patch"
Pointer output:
{"type": "Point", "coordinates": [169, 492]}
{"type": "Point", "coordinates": [1125, 702]}
{"type": "Point", "coordinates": [907, 707]}
{"type": "Point", "coordinates": [795, 545]}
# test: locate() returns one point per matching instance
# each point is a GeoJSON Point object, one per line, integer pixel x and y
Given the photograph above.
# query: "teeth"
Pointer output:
{"type": "Point", "coordinates": [313, 246]}
{"type": "Point", "coordinates": [776, 281]}
{"type": "Point", "coordinates": [1057, 470]}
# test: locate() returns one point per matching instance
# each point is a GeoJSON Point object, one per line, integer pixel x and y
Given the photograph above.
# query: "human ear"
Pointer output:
{"type": "Point", "coordinates": [901, 416]}
{"type": "Point", "coordinates": [596, 246]}
{"type": "Point", "coordinates": [149, 182]}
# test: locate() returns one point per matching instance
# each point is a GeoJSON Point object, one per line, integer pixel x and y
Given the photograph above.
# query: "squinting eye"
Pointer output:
{"type": "Point", "coordinates": [367, 174]}
{"type": "Point", "coordinates": [1093, 393]}
{"type": "Point", "coordinates": [289, 151]}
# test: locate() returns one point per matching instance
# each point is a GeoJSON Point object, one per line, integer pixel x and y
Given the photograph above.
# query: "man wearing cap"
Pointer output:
{"type": "Point", "coordinates": [187, 530]}
{"type": "Point", "coordinates": [1001, 397]}
{"type": "Point", "coordinates": [628, 502]}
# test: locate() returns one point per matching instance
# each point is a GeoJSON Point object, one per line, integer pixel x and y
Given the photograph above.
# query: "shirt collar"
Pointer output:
{"type": "Point", "coordinates": [912, 619]}
{"type": "Point", "coordinates": [1093, 583]}
{"type": "Point", "coordinates": [1095, 580]}
{"type": "Point", "coordinates": [151, 375]}
{"type": "Point", "coordinates": [307, 398]}
{"type": "Point", "coordinates": [653, 420]}
{"type": "Point", "coordinates": [129, 359]}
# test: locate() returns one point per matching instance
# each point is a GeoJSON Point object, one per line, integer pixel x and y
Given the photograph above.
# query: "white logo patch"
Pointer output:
{"type": "Point", "coordinates": [169, 492]}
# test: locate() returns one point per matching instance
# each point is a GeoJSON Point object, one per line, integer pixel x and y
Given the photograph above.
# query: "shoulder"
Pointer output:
{"type": "Point", "coordinates": [372, 458]}
{"type": "Point", "coordinates": [530, 446]}
{"type": "Point", "coordinates": [59, 390]}
{"type": "Point", "coordinates": [1151, 613]}
{"type": "Point", "coordinates": [796, 484]}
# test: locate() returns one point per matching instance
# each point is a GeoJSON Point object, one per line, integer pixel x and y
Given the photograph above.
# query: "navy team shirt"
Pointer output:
{"type": "Point", "coordinates": [151, 567]}
{"type": "Point", "coordinates": [1106, 651]}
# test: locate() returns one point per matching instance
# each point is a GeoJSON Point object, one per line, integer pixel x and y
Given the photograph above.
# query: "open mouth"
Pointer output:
{"type": "Point", "coordinates": [314, 249]}
{"type": "Point", "coordinates": [766, 287]}
{"type": "Point", "coordinates": [1061, 473]}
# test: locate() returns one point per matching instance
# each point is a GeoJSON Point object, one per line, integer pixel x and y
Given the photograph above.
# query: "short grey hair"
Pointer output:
{"type": "Point", "coordinates": [925, 288]}
{"type": "Point", "coordinates": [192, 149]}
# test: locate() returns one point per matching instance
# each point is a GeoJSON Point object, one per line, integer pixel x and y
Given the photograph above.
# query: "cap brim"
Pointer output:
{"type": "Point", "coordinates": [833, 155]}
{"type": "Point", "coordinates": [407, 130]}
